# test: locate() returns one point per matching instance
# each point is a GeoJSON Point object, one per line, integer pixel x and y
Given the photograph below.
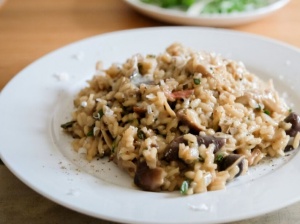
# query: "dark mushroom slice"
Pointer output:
{"type": "Point", "coordinates": [288, 148]}
{"type": "Point", "coordinates": [172, 149]}
{"type": "Point", "coordinates": [294, 119]}
{"type": "Point", "coordinates": [235, 164]}
{"type": "Point", "coordinates": [189, 118]}
{"type": "Point", "coordinates": [149, 179]}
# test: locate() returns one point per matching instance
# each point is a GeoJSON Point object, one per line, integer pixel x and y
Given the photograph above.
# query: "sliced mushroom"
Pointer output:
{"type": "Point", "coordinates": [294, 119]}
{"type": "Point", "coordinates": [235, 164]}
{"type": "Point", "coordinates": [149, 179]}
{"type": "Point", "coordinates": [190, 118]}
{"type": "Point", "coordinates": [172, 149]}
{"type": "Point", "coordinates": [288, 148]}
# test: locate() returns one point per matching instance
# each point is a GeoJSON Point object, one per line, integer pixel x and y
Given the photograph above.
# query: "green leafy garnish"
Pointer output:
{"type": "Point", "coordinates": [91, 132]}
{"type": "Point", "coordinates": [229, 6]}
{"type": "Point", "coordinates": [197, 81]}
{"type": "Point", "coordinates": [140, 134]}
{"type": "Point", "coordinates": [184, 187]}
{"type": "Point", "coordinates": [219, 157]}
{"type": "Point", "coordinates": [99, 114]}
{"type": "Point", "coordinates": [67, 125]}
{"type": "Point", "coordinates": [212, 6]}
{"type": "Point", "coordinates": [114, 146]}
{"type": "Point", "coordinates": [267, 112]}
{"type": "Point", "coordinates": [171, 3]}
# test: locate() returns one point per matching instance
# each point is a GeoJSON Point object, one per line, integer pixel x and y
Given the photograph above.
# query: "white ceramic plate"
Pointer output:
{"type": "Point", "coordinates": [226, 20]}
{"type": "Point", "coordinates": [39, 99]}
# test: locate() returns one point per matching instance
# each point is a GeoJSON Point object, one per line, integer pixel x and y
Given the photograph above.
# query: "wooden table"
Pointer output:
{"type": "Point", "coordinates": [31, 28]}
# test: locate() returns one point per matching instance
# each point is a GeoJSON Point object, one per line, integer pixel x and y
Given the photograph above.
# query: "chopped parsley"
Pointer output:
{"type": "Point", "coordinates": [67, 125]}
{"type": "Point", "coordinates": [99, 115]}
{"type": "Point", "coordinates": [197, 81]}
{"type": "Point", "coordinates": [114, 146]}
{"type": "Point", "coordinates": [212, 6]}
{"type": "Point", "coordinates": [140, 134]}
{"type": "Point", "coordinates": [267, 112]}
{"type": "Point", "coordinates": [91, 132]}
{"type": "Point", "coordinates": [219, 157]}
{"type": "Point", "coordinates": [184, 187]}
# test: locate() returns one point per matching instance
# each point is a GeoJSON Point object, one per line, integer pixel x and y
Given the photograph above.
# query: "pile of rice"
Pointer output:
{"type": "Point", "coordinates": [181, 120]}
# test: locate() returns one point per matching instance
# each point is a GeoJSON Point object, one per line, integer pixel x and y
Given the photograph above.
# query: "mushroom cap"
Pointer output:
{"type": "Point", "coordinates": [234, 163]}
{"type": "Point", "coordinates": [149, 179]}
{"type": "Point", "coordinates": [171, 152]}
{"type": "Point", "coordinates": [294, 119]}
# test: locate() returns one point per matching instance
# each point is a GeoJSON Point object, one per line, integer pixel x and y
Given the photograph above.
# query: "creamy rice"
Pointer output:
{"type": "Point", "coordinates": [181, 120]}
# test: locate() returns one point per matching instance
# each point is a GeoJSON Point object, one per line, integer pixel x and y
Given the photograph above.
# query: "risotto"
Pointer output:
{"type": "Point", "coordinates": [181, 120]}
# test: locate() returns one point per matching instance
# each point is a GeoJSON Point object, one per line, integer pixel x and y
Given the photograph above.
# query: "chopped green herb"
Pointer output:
{"type": "Point", "coordinates": [197, 81]}
{"type": "Point", "coordinates": [184, 187]}
{"type": "Point", "coordinates": [91, 132]}
{"type": "Point", "coordinates": [290, 110]}
{"type": "Point", "coordinates": [171, 3]}
{"type": "Point", "coordinates": [267, 112]}
{"type": "Point", "coordinates": [219, 157]}
{"type": "Point", "coordinates": [212, 6]}
{"type": "Point", "coordinates": [114, 146]}
{"type": "Point", "coordinates": [230, 6]}
{"type": "Point", "coordinates": [101, 113]}
{"type": "Point", "coordinates": [67, 125]}
{"type": "Point", "coordinates": [141, 134]}
{"type": "Point", "coordinates": [98, 115]}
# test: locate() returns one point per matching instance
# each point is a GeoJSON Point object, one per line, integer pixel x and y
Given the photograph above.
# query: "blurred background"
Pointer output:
{"type": "Point", "coordinates": [31, 28]}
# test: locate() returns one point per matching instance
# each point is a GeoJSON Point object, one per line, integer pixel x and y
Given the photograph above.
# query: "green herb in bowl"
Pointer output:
{"type": "Point", "coordinates": [211, 6]}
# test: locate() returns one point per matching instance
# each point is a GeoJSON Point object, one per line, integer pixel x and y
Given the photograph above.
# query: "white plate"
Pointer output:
{"type": "Point", "coordinates": [226, 20]}
{"type": "Point", "coordinates": [35, 103]}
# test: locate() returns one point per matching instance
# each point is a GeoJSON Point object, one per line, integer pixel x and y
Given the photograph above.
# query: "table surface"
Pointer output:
{"type": "Point", "coordinates": [30, 29]}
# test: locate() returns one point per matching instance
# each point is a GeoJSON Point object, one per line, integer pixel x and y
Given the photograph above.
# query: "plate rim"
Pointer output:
{"type": "Point", "coordinates": [24, 180]}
